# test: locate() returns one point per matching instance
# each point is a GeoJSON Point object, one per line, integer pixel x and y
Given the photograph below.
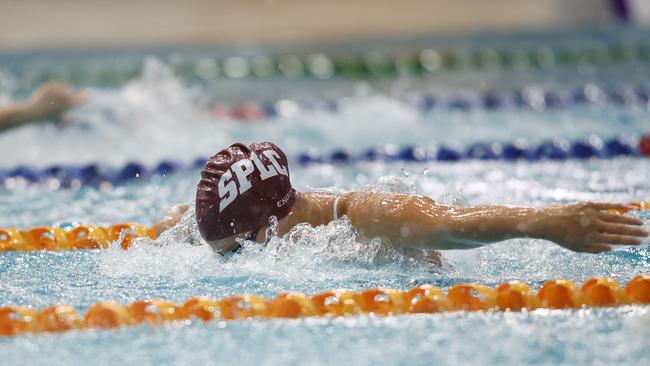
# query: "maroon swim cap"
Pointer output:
{"type": "Point", "coordinates": [240, 188]}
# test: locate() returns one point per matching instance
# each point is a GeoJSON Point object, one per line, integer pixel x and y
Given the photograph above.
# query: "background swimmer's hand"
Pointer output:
{"type": "Point", "coordinates": [172, 217]}
{"type": "Point", "coordinates": [587, 227]}
{"type": "Point", "coordinates": [51, 100]}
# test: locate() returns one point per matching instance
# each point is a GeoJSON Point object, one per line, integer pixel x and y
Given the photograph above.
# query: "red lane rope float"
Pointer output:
{"type": "Point", "coordinates": [509, 296]}
{"type": "Point", "coordinates": [80, 237]}
{"type": "Point", "coordinates": [97, 237]}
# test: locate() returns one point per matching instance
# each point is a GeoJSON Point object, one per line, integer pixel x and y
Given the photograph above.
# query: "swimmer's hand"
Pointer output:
{"type": "Point", "coordinates": [172, 217]}
{"type": "Point", "coordinates": [586, 227]}
{"type": "Point", "coordinates": [51, 100]}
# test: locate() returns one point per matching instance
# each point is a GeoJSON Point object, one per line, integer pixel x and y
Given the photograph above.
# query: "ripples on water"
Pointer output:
{"type": "Point", "coordinates": [158, 117]}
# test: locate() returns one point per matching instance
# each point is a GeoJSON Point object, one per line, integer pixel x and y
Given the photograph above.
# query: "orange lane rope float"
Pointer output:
{"type": "Point", "coordinates": [96, 237]}
{"type": "Point", "coordinates": [509, 296]}
{"type": "Point", "coordinates": [635, 206]}
{"type": "Point", "coordinates": [80, 237]}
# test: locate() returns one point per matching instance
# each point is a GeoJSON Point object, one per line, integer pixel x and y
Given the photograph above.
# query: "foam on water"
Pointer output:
{"type": "Point", "coordinates": [156, 116]}
{"type": "Point", "coordinates": [312, 258]}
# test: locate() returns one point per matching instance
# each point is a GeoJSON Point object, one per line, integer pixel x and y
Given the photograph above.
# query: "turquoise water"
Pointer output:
{"type": "Point", "coordinates": [157, 116]}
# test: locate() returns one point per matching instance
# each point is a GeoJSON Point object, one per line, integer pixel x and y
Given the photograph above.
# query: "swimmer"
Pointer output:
{"type": "Point", "coordinates": [241, 187]}
{"type": "Point", "coordinates": [48, 102]}
{"type": "Point", "coordinates": [53, 99]}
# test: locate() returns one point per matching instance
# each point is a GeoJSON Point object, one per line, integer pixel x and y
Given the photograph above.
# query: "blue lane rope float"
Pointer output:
{"type": "Point", "coordinates": [535, 98]}
{"type": "Point", "coordinates": [373, 64]}
{"type": "Point", "coordinates": [72, 176]}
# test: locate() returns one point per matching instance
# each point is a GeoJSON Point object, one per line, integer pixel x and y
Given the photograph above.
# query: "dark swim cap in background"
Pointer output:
{"type": "Point", "coordinates": [241, 187]}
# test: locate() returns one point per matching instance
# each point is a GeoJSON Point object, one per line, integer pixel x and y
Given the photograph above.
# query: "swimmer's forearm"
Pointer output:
{"type": "Point", "coordinates": [419, 222]}
{"type": "Point", "coordinates": [580, 227]}
{"type": "Point", "coordinates": [477, 226]}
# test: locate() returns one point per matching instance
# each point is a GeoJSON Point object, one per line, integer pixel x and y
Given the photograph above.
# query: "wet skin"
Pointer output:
{"type": "Point", "coordinates": [418, 222]}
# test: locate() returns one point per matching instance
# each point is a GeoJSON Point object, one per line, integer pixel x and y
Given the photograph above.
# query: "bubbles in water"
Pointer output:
{"type": "Point", "coordinates": [178, 254]}
{"type": "Point", "coordinates": [407, 184]}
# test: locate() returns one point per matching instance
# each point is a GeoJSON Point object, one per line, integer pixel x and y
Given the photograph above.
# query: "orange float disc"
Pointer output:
{"type": "Point", "coordinates": [560, 294]}
{"type": "Point", "coordinates": [17, 319]}
{"type": "Point", "coordinates": [242, 307]}
{"type": "Point", "coordinates": [87, 237]}
{"type": "Point", "coordinates": [201, 307]}
{"type": "Point", "coordinates": [638, 289]}
{"type": "Point", "coordinates": [291, 305]}
{"type": "Point", "coordinates": [11, 239]}
{"type": "Point", "coordinates": [515, 296]}
{"type": "Point", "coordinates": [128, 232]}
{"type": "Point", "coordinates": [426, 299]}
{"type": "Point", "coordinates": [381, 301]}
{"type": "Point", "coordinates": [59, 318]}
{"type": "Point", "coordinates": [336, 303]}
{"type": "Point", "coordinates": [152, 311]}
{"type": "Point", "coordinates": [471, 297]}
{"type": "Point", "coordinates": [107, 315]}
{"type": "Point", "coordinates": [603, 292]}
{"type": "Point", "coordinates": [46, 238]}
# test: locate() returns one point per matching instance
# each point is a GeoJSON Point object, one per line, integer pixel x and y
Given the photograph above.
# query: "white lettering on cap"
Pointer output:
{"type": "Point", "coordinates": [227, 190]}
{"type": "Point", "coordinates": [273, 156]}
{"type": "Point", "coordinates": [242, 169]}
{"type": "Point", "coordinates": [265, 171]}
{"type": "Point", "coordinates": [284, 199]}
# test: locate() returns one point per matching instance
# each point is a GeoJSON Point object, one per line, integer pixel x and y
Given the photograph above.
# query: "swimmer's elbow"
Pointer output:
{"type": "Point", "coordinates": [441, 242]}
{"type": "Point", "coordinates": [460, 244]}
{"type": "Point", "coordinates": [443, 232]}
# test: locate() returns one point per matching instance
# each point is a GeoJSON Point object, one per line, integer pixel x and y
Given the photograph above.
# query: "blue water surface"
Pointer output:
{"type": "Point", "coordinates": [157, 116]}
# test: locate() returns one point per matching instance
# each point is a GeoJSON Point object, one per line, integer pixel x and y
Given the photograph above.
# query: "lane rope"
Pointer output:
{"type": "Point", "coordinates": [370, 65]}
{"type": "Point", "coordinates": [532, 97]}
{"type": "Point", "coordinates": [72, 237]}
{"type": "Point", "coordinates": [98, 175]}
{"type": "Point", "coordinates": [508, 296]}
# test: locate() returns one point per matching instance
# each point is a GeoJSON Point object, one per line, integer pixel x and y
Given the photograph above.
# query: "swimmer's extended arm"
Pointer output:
{"type": "Point", "coordinates": [14, 115]}
{"type": "Point", "coordinates": [418, 221]}
{"type": "Point", "coordinates": [48, 102]}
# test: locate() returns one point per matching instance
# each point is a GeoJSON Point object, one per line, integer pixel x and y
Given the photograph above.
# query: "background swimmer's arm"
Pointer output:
{"type": "Point", "coordinates": [48, 102]}
{"type": "Point", "coordinates": [418, 221]}
{"type": "Point", "coordinates": [13, 115]}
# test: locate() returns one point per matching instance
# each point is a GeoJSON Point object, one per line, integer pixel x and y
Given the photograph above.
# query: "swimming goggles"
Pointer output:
{"type": "Point", "coordinates": [238, 248]}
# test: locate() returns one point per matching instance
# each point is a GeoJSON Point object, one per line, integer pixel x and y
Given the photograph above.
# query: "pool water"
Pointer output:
{"type": "Point", "coordinates": [158, 116]}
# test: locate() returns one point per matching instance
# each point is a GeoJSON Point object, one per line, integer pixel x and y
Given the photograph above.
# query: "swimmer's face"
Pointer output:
{"type": "Point", "coordinates": [227, 244]}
